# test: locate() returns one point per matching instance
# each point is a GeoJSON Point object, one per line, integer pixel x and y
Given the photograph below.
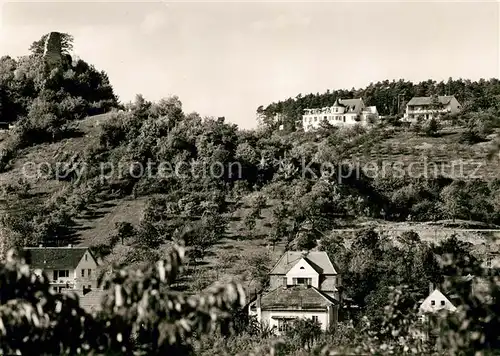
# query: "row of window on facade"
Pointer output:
{"type": "Point", "coordinates": [320, 111]}
{"type": "Point", "coordinates": [301, 281]}
{"type": "Point", "coordinates": [330, 118]}
{"type": "Point", "coordinates": [64, 273]}
{"type": "Point", "coordinates": [286, 324]}
{"type": "Point", "coordinates": [298, 281]}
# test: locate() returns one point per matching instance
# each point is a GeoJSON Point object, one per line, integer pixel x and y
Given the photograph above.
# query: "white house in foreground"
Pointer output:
{"type": "Point", "coordinates": [428, 107]}
{"type": "Point", "coordinates": [302, 285]}
{"type": "Point", "coordinates": [344, 112]}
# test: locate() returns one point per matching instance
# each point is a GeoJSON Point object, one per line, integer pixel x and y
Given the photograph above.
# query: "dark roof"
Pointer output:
{"type": "Point", "coordinates": [317, 259]}
{"type": "Point", "coordinates": [352, 105]}
{"type": "Point", "coordinates": [296, 297]}
{"type": "Point", "coordinates": [54, 257]}
{"type": "Point", "coordinates": [427, 100]}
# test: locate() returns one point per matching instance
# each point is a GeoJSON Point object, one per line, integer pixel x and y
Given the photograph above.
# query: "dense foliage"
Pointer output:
{"type": "Point", "coordinates": [140, 314]}
{"type": "Point", "coordinates": [42, 100]}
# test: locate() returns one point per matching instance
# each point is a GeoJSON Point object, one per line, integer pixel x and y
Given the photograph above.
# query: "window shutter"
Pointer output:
{"type": "Point", "coordinates": [294, 281]}
{"type": "Point", "coordinates": [284, 281]}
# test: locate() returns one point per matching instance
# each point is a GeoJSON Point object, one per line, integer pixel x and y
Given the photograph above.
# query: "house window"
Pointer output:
{"type": "Point", "coordinates": [315, 318]}
{"type": "Point", "coordinates": [442, 302]}
{"type": "Point", "coordinates": [283, 325]}
{"type": "Point", "coordinates": [302, 267]}
{"type": "Point", "coordinates": [304, 281]}
{"type": "Point", "coordinates": [83, 273]}
{"type": "Point", "coordinates": [433, 302]}
{"type": "Point", "coordinates": [85, 257]}
{"type": "Point", "coordinates": [89, 272]}
{"type": "Point", "coordinates": [325, 117]}
{"type": "Point", "coordinates": [285, 282]}
{"type": "Point", "coordinates": [61, 273]}
{"type": "Point", "coordinates": [344, 118]}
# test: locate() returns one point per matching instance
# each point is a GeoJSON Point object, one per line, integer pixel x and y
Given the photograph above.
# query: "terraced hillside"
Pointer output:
{"type": "Point", "coordinates": [423, 156]}
{"type": "Point", "coordinates": [237, 253]}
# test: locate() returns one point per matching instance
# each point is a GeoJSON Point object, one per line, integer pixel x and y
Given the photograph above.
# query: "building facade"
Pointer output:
{"type": "Point", "coordinates": [344, 112]}
{"type": "Point", "coordinates": [430, 107]}
{"type": "Point", "coordinates": [431, 309]}
{"type": "Point", "coordinates": [302, 285]}
{"type": "Point", "coordinates": [68, 268]}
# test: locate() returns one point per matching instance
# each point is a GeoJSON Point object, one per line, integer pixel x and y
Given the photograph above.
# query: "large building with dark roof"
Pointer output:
{"type": "Point", "coordinates": [302, 285]}
{"type": "Point", "coordinates": [427, 107]}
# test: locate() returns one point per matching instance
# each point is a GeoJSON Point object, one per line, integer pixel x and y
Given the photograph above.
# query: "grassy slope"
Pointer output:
{"type": "Point", "coordinates": [96, 225]}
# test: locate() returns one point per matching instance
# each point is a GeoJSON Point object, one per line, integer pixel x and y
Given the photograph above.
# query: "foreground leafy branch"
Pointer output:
{"type": "Point", "coordinates": [140, 313]}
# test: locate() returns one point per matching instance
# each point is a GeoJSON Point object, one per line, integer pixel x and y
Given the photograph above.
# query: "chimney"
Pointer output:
{"type": "Point", "coordinates": [431, 287]}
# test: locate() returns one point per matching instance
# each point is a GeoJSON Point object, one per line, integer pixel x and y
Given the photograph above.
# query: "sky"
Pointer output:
{"type": "Point", "coordinates": [228, 58]}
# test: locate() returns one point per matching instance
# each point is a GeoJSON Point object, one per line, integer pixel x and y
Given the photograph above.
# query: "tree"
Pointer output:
{"type": "Point", "coordinates": [124, 230]}
{"type": "Point", "coordinates": [304, 332]}
{"type": "Point", "coordinates": [455, 200]}
{"type": "Point", "coordinates": [258, 203]}
{"type": "Point", "coordinates": [431, 127]}
{"type": "Point", "coordinates": [456, 258]}
{"type": "Point", "coordinates": [37, 48]}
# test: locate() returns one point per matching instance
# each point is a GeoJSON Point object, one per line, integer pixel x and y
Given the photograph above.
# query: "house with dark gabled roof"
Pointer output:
{"type": "Point", "coordinates": [427, 107]}
{"type": "Point", "coordinates": [302, 285]}
{"type": "Point", "coordinates": [68, 268]}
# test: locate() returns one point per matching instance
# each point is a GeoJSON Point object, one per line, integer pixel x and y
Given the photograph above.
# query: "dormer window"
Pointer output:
{"type": "Point", "coordinates": [302, 281]}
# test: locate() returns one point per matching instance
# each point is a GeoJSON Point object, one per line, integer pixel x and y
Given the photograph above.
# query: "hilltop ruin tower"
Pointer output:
{"type": "Point", "coordinates": [52, 53]}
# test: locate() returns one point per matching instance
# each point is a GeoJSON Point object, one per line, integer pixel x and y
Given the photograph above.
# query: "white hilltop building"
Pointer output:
{"type": "Point", "coordinates": [344, 112]}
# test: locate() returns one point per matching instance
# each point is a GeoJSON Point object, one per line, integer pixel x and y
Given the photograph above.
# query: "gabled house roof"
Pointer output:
{"type": "Point", "coordinates": [55, 257]}
{"type": "Point", "coordinates": [352, 105]}
{"type": "Point", "coordinates": [317, 259]}
{"type": "Point", "coordinates": [427, 100]}
{"type": "Point", "coordinates": [295, 297]}
{"type": "Point", "coordinates": [436, 296]}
